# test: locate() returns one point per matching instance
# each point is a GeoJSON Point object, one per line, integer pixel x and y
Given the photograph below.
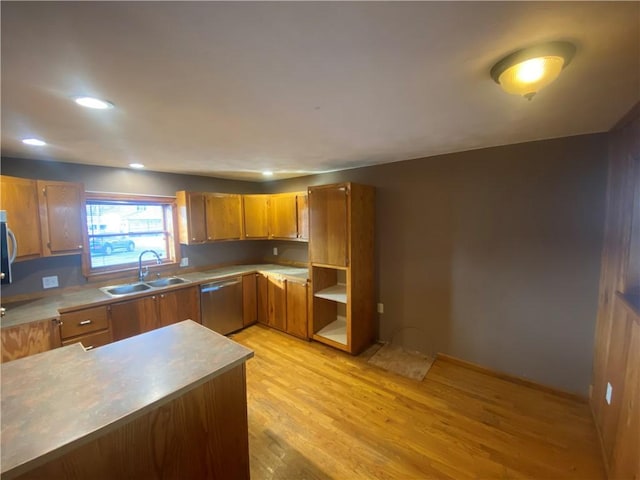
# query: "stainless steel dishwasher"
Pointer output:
{"type": "Point", "coordinates": [221, 305]}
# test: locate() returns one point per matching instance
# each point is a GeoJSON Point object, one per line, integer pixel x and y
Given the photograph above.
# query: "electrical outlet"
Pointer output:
{"type": "Point", "coordinates": [607, 396]}
{"type": "Point", "coordinates": [50, 282]}
{"type": "Point", "coordinates": [381, 308]}
{"type": "Point", "coordinates": [275, 251]}
{"type": "Point", "coordinates": [184, 262]}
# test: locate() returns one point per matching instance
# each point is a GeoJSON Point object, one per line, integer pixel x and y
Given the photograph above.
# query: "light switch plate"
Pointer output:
{"type": "Point", "coordinates": [184, 262]}
{"type": "Point", "coordinates": [381, 308]}
{"type": "Point", "coordinates": [275, 251]}
{"type": "Point", "coordinates": [50, 282]}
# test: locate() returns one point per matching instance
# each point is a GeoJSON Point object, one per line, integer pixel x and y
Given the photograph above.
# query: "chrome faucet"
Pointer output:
{"type": "Point", "coordinates": [141, 274]}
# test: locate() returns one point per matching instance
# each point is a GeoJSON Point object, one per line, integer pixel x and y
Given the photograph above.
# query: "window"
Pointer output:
{"type": "Point", "coordinates": [121, 227]}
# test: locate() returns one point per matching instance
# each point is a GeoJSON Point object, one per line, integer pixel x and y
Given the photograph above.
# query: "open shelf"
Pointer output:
{"type": "Point", "coordinates": [335, 293]}
{"type": "Point", "coordinates": [335, 331]}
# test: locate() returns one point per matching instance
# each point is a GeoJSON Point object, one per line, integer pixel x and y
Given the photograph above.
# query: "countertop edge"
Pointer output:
{"type": "Point", "coordinates": [199, 278]}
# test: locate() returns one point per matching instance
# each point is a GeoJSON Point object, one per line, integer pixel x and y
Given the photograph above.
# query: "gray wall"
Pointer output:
{"type": "Point", "coordinates": [492, 255]}
{"type": "Point", "coordinates": [28, 275]}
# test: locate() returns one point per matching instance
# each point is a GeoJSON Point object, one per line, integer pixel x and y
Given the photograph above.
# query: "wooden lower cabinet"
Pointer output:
{"type": "Point", "coordinates": [141, 315]}
{"type": "Point", "coordinates": [29, 339]}
{"type": "Point", "coordinates": [297, 309]}
{"type": "Point", "coordinates": [262, 298]}
{"type": "Point", "coordinates": [249, 299]}
{"type": "Point", "coordinates": [277, 301]}
{"type": "Point", "coordinates": [283, 304]}
{"type": "Point", "coordinates": [178, 305]}
{"type": "Point", "coordinates": [89, 326]}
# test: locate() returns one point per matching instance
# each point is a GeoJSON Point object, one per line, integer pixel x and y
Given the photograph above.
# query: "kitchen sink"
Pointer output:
{"type": "Point", "coordinates": [126, 289]}
{"type": "Point", "coordinates": [165, 282]}
{"type": "Point", "coordinates": [129, 288]}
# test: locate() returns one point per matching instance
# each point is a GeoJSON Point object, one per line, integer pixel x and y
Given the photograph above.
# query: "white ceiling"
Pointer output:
{"type": "Point", "coordinates": [230, 89]}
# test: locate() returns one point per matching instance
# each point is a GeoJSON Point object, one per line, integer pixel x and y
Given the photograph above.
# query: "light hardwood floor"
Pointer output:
{"type": "Point", "coordinates": [317, 413]}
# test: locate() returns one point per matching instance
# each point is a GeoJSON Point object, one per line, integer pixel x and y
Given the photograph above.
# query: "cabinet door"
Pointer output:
{"type": "Point", "coordinates": [29, 339]}
{"type": "Point", "coordinates": [19, 197]}
{"type": "Point", "coordinates": [263, 299]}
{"type": "Point", "coordinates": [328, 225]}
{"type": "Point", "coordinates": [133, 317]}
{"type": "Point", "coordinates": [196, 218]}
{"type": "Point", "coordinates": [277, 300]}
{"type": "Point", "coordinates": [178, 305]}
{"type": "Point", "coordinates": [224, 216]}
{"type": "Point", "coordinates": [302, 215]}
{"type": "Point", "coordinates": [297, 309]}
{"type": "Point", "coordinates": [61, 217]}
{"type": "Point", "coordinates": [249, 299]}
{"type": "Point", "coordinates": [256, 220]}
{"type": "Point", "coordinates": [283, 216]}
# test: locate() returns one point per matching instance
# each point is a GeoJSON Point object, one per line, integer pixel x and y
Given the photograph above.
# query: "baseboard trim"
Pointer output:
{"type": "Point", "coordinates": [511, 378]}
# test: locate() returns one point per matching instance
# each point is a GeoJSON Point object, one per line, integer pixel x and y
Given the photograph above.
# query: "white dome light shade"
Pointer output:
{"type": "Point", "coordinates": [528, 71]}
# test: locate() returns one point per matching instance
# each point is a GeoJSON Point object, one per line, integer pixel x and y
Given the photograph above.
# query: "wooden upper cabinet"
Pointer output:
{"type": "Point", "coordinates": [283, 216]}
{"type": "Point", "coordinates": [192, 226]}
{"type": "Point", "coordinates": [328, 225]}
{"type": "Point", "coordinates": [302, 215]}
{"type": "Point", "coordinates": [19, 197]}
{"type": "Point", "coordinates": [62, 217]}
{"type": "Point", "coordinates": [256, 218]}
{"type": "Point", "coordinates": [224, 216]}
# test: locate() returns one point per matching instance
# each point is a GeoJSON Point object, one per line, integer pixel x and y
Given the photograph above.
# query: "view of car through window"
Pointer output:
{"type": "Point", "coordinates": [119, 232]}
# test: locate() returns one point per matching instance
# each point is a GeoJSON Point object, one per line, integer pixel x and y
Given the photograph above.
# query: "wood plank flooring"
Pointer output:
{"type": "Point", "coordinates": [317, 413]}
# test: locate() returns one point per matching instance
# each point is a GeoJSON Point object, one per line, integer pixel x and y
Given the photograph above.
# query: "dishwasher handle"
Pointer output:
{"type": "Point", "coordinates": [212, 287]}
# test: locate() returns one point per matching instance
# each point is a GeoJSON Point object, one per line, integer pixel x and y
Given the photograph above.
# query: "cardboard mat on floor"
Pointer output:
{"type": "Point", "coordinates": [392, 358]}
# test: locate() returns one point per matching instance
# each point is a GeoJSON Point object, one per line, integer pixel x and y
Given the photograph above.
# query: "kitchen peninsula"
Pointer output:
{"type": "Point", "coordinates": [170, 403]}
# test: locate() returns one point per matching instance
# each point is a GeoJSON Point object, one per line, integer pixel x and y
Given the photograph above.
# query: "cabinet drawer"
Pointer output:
{"type": "Point", "coordinates": [83, 321]}
{"type": "Point", "coordinates": [92, 340]}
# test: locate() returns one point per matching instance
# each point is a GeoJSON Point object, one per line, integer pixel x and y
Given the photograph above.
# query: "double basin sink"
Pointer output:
{"type": "Point", "coordinates": [129, 288]}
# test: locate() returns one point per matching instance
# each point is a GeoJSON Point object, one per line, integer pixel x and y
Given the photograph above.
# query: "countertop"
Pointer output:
{"type": "Point", "coordinates": [58, 400]}
{"type": "Point", "coordinates": [49, 308]}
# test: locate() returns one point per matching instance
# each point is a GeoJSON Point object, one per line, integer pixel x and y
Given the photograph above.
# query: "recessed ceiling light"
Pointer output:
{"type": "Point", "coordinates": [34, 141]}
{"type": "Point", "coordinates": [267, 173]}
{"type": "Point", "coordinates": [91, 102]}
{"type": "Point", "coordinates": [136, 165]}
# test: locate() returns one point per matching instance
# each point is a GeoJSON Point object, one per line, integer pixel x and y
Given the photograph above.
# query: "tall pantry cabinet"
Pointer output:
{"type": "Point", "coordinates": [341, 265]}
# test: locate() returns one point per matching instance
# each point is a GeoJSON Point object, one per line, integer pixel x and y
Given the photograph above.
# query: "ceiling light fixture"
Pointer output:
{"type": "Point", "coordinates": [36, 142]}
{"type": "Point", "coordinates": [91, 102]}
{"type": "Point", "coordinates": [136, 165]}
{"type": "Point", "coordinates": [267, 173]}
{"type": "Point", "coordinates": [529, 70]}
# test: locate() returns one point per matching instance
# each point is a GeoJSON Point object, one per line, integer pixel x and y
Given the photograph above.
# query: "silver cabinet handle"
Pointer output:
{"type": "Point", "coordinates": [85, 322]}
